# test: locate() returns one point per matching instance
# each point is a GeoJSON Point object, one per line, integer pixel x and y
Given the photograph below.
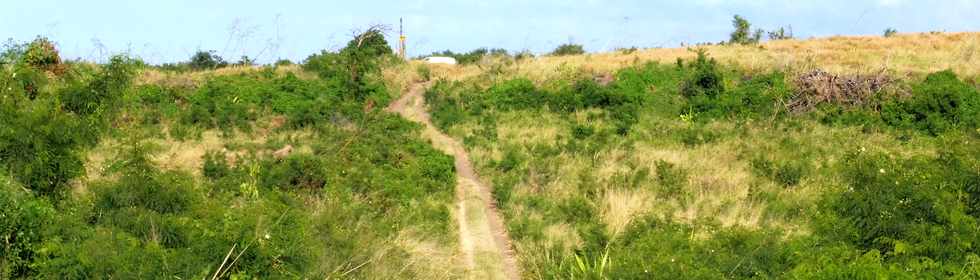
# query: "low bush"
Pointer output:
{"type": "Point", "coordinates": [907, 210]}
{"type": "Point", "coordinates": [709, 96]}
{"type": "Point", "coordinates": [24, 219]}
{"type": "Point", "coordinates": [656, 249]}
{"type": "Point", "coordinates": [42, 54]}
{"type": "Point", "coordinates": [942, 102]}
{"type": "Point", "coordinates": [706, 79]}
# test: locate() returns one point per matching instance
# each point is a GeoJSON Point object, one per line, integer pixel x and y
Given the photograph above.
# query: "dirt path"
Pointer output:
{"type": "Point", "coordinates": [482, 236]}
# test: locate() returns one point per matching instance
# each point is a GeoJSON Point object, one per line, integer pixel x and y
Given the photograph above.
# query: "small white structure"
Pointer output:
{"type": "Point", "coordinates": [440, 60]}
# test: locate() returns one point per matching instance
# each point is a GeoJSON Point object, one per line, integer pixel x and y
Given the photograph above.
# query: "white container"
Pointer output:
{"type": "Point", "coordinates": [440, 60]}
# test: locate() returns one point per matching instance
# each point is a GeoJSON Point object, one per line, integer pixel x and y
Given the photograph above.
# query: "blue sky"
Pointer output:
{"type": "Point", "coordinates": [171, 30]}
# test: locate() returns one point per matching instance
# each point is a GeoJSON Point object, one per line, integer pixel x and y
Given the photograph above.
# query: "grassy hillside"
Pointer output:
{"type": "Point", "coordinates": [704, 166]}
{"type": "Point", "coordinates": [830, 158]}
{"type": "Point", "coordinates": [123, 170]}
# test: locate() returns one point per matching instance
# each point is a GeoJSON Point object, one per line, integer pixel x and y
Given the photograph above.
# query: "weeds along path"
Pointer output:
{"type": "Point", "coordinates": [483, 238]}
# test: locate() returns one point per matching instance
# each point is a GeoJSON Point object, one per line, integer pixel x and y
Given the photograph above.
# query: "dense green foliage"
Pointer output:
{"type": "Point", "coordinates": [940, 103]}
{"type": "Point", "coordinates": [357, 66]}
{"type": "Point", "coordinates": [362, 182]}
{"type": "Point", "coordinates": [41, 54]}
{"type": "Point", "coordinates": [45, 128]}
{"type": "Point", "coordinates": [23, 219]}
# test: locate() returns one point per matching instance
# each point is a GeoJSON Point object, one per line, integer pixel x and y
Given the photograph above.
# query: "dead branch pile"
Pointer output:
{"type": "Point", "coordinates": [820, 87]}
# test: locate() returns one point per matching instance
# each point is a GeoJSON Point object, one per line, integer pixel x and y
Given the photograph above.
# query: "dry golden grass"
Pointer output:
{"type": "Point", "coordinates": [621, 206]}
{"type": "Point", "coordinates": [432, 259]}
{"type": "Point", "coordinates": [906, 54]}
{"type": "Point", "coordinates": [195, 78]}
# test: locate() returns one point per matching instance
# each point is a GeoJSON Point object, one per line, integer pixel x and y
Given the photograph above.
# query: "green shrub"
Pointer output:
{"type": "Point", "coordinates": [356, 67]}
{"type": "Point", "coordinates": [24, 220]}
{"type": "Point", "coordinates": [446, 109]}
{"type": "Point", "coordinates": [906, 209]}
{"type": "Point", "coordinates": [753, 97]}
{"type": "Point", "coordinates": [215, 166]}
{"type": "Point", "coordinates": [568, 49]}
{"type": "Point", "coordinates": [42, 54]}
{"type": "Point", "coordinates": [707, 80]}
{"type": "Point", "coordinates": [942, 102]}
{"type": "Point", "coordinates": [655, 249]}
{"type": "Point", "coordinates": [206, 60]}
{"type": "Point", "coordinates": [141, 185]}
{"type": "Point", "coordinates": [43, 133]}
{"type": "Point", "coordinates": [516, 94]}
{"type": "Point", "coordinates": [39, 146]}
{"type": "Point", "coordinates": [102, 95]}
{"type": "Point", "coordinates": [295, 171]}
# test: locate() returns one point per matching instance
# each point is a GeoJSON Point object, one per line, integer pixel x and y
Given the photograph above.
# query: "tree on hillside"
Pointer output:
{"type": "Point", "coordinates": [202, 60]}
{"type": "Point", "coordinates": [363, 53]}
{"type": "Point", "coordinates": [568, 49]}
{"type": "Point", "coordinates": [783, 33]}
{"type": "Point", "coordinates": [42, 54]}
{"type": "Point", "coordinates": [743, 34]}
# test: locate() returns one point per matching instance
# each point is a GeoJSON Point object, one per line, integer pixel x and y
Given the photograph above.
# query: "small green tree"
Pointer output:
{"type": "Point", "coordinates": [741, 33]}
{"type": "Point", "coordinates": [202, 60]}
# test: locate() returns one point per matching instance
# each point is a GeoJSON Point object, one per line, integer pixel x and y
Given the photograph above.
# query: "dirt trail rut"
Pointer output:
{"type": "Point", "coordinates": [483, 238]}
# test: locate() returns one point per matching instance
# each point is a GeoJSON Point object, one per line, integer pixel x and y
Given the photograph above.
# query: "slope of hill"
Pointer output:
{"type": "Point", "coordinates": [902, 55]}
{"type": "Point", "coordinates": [735, 162]}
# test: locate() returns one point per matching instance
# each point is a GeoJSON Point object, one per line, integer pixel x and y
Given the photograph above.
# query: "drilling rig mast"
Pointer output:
{"type": "Point", "coordinates": [401, 38]}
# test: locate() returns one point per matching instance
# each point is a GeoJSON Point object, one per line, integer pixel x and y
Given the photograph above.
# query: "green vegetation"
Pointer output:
{"type": "Point", "coordinates": [699, 170]}
{"type": "Point", "coordinates": [692, 169]}
{"type": "Point", "coordinates": [743, 33]}
{"type": "Point", "coordinates": [568, 49]}
{"type": "Point", "coordinates": [202, 60]}
{"type": "Point", "coordinates": [360, 196]}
